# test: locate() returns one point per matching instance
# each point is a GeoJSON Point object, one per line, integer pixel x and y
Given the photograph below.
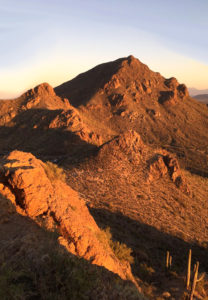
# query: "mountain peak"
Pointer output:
{"type": "Point", "coordinates": [43, 96]}
{"type": "Point", "coordinates": [121, 77]}
{"type": "Point", "coordinates": [41, 89]}
{"type": "Point", "coordinates": [131, 59]}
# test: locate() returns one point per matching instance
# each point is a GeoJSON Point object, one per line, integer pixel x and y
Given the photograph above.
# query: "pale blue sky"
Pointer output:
{"type": "Point", "coordinates": [54, 40]}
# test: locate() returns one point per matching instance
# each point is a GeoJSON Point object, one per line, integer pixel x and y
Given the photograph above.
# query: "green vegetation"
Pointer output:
{"type": "Point", "coordinates": [121, 251]}
{"type": "Point", "coordinates": [54, 172]}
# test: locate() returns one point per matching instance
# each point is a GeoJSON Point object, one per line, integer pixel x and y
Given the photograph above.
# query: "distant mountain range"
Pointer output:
{"type": "Point", "coordinates": [195, 92]}
{"type": "Point", "coordinates": [200, 95]}
{"type": "Point", "coordinates": [202, 98]}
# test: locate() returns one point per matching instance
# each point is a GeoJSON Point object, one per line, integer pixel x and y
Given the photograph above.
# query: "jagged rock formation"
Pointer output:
{"type": "Point", "coordinates": [41, 97]}
{"type": "Point", "coordinates": [167, 163]}
{"type": "Point", "coordinates": [70, 120]}
{"type": "Point", "coordinates": [25, 183]}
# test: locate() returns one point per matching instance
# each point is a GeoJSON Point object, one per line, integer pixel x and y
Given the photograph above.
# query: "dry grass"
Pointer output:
{"type": "Point", "coordinates": [54, 172]}
{"type": "Point", "coordinates": [97, 125]}
{"type": "Point", "coordinates": [121, 251]}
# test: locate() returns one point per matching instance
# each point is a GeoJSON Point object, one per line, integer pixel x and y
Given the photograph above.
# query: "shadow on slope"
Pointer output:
{"type": "Point", "coordinates": [29, 131]}
{"type": "Point", "coordinates": [33, 265]}
{"type": "Point", "coordinates": [150, 245]}
{"type": "Point", "coordinates": [80, 89]}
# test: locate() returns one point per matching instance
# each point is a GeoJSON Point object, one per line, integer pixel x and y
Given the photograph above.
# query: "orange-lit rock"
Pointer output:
{"type": "Point", "coordinates": [25, 183]}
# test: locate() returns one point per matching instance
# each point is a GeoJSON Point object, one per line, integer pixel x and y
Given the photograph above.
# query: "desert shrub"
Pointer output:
{"type": "Point", "coordinates": [201, 284]}
{"type": "Point", "coordinates": [54, 172]}
{"type": "Point", "coordinates": [145, 271]}
{"type": "Point", "coordinates": [121, 251]}
{"type": "Point", "coordinates": [56, 277]}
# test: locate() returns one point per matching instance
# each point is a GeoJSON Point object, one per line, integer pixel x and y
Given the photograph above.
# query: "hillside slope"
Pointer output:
{"type": "Point", "coordinates": [150, 203]}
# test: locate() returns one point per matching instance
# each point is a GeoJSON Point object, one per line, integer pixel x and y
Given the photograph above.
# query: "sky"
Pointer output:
{"type": "Point", "coordinates": [55, 40]}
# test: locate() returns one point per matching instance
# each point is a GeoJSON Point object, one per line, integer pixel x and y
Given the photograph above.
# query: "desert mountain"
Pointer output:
{"type": "Point", "coordinates": [102, 103]}
{"type": "Point", "coordinates": [126, 95]}
{"type": "Point", "coordinates": [127, 75]}
{"type": "Point", "coordinates": [41, 120]}
{"type": "Point", "coordinates": [134, 147]}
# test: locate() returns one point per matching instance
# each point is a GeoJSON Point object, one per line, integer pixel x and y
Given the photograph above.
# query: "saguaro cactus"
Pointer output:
{"type": "Point", "coordinates": [194, 281]}
{"type": "Point", "coordinates": [170, 261]}
{"type": "Point", "coordinates": [188, 270]}
{"type": "Point", "coordinates": [167, 259]}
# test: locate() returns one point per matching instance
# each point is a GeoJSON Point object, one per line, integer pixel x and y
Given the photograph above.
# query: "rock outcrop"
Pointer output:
{"type": "Point", "coordinates": [166, 163]}
{"type": "Point", "coordinates": [71, 120]}
{"type": "Point", "coordinates": [130, 141]}
{"type": "Point", "coordinates": [53, 203]}
{"type": "Point", "coordinates": [44, 96]}
{"type": "Point", "coordinates": [176, 93]}
{"type": "Point", "coordinates": [154, 164]}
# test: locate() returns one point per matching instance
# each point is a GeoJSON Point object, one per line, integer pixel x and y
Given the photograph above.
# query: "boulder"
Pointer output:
{"type": "Point", "coordinates": [157, 168]}
{"type": "Point", "coordinates": [168, 97]}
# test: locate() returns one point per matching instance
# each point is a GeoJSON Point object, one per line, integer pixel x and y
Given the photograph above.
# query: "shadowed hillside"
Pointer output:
{"type": "Point", "coordinates": [33, 265]}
